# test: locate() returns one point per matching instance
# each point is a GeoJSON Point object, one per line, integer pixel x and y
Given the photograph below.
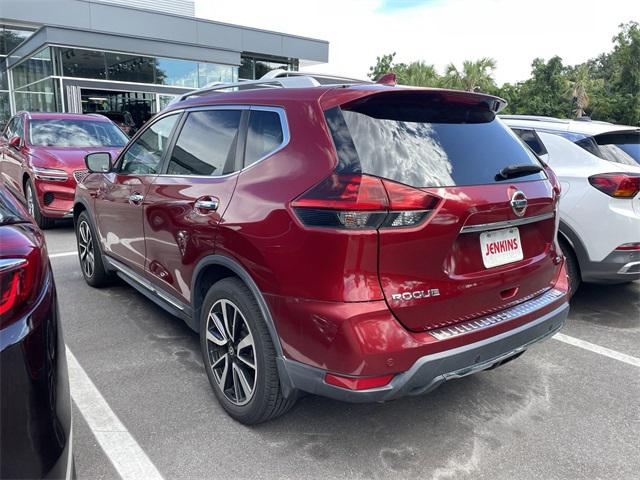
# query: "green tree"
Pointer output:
{"type": "Point", "coordinates": [475, 76]}
{"type": "Point", "coordinates": [384, 64]}
{"type": "Point", "coordinates": [418, 74]}
{"type": "Point", "coordinates": [545, 92]}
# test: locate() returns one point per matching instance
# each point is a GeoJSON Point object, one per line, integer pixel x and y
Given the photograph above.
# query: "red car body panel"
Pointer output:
{"type": "Point", "coordinates": [329, 291]}
{"type": "Point", "coordinates": [17, 165]}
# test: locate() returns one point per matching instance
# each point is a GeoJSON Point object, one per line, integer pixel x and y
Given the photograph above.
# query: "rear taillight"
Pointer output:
{"type": "Point", "coordinates": [20, 280]}
{"type": "Point", "coordinates": [362, 202]}
{"type": "Point", "coordinates": [629, 247]}
{"type": "Point", "coordinates": [618, 185]}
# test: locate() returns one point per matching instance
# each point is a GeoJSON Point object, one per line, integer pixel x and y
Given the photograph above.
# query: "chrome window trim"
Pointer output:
{"type": "Point", "coordinates": [482, 227]}
{"type": "Point", "coordinates": [284, 124]}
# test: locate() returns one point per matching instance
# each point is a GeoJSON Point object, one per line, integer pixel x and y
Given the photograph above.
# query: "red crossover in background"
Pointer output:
{"type": "Point", "coordinates": [42, 158]}
{"type": "Point", "coordinates": [361, 242]}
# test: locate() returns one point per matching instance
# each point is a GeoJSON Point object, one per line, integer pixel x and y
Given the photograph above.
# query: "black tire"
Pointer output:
{"type": "Point", "coordinates": [266, 401]}
{"type": "Point", "coordinates": [90, 254]}
{"type": "Point", "coordinates": [573, 268]}
{"type": "Point", "coordinates": [34, 207]}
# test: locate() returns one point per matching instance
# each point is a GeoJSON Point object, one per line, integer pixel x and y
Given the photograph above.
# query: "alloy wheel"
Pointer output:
{"type": "Point", "coordinates": [231, 352]}
{"type": "Point", "coordinates": [85, 248]}
{"type": "Point", "coordinates": [31, 202]}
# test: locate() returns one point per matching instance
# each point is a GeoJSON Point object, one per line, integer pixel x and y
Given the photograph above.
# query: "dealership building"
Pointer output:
{"type": "Point", "coordinates": [134, 56]}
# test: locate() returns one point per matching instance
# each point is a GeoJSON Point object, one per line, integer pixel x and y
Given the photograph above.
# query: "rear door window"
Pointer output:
{"type": "Point", "coordinates": [426, 143]}
{"type": "Point", "coordinates": [206, 144]}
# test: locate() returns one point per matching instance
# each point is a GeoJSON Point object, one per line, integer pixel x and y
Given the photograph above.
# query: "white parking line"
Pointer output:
{"type": "Point", "coordinates": [63, 254]}
{"type": "Point", "coordinates": [125, 454]}
{"type": "Point", "coordinates": [592, 347]}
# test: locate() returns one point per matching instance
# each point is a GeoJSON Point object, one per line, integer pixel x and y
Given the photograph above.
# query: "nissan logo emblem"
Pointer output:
{"type": "Point", "coordinates": [519, 203]}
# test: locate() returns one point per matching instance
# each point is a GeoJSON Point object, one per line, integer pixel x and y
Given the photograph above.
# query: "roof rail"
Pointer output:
{"type": "Point", "coordinates": [321, 78]}
{"type": "Point", "coordinates": [284, 82]}
{"type": "Point", "coordinates": [535, 118]}
{"type": "Point", "coordinates": [277, 78]}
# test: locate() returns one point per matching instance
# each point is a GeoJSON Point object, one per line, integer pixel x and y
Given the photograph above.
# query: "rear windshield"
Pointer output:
{"type": "Point", "coordinates": [426, 142]}
{"type": "Point", "coordinates": [75, 133]}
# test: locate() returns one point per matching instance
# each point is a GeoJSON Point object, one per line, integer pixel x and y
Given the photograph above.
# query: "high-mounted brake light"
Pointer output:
{"type": "Point", "coordinates": [362, 202]}
{"type": "Point", "coordinates": [617, 185]}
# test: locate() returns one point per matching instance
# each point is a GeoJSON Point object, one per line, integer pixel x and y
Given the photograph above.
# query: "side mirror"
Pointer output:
{"type": "Point", "coordinates": [15, 142]}
{"type": "Point", "coordinates": [99, 162]}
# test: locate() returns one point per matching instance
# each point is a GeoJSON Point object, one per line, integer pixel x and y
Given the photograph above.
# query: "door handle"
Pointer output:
{"type": "Point", "coordinates": [206, 204]}
{"type": "Point", "coordinates": [136, 198]}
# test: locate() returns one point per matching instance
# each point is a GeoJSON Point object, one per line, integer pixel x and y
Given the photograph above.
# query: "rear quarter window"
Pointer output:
{"type": "Point", "coordinates": [426, 145]}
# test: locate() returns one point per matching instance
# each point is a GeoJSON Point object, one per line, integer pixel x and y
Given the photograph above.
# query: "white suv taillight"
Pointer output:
{"type": "Point", "coordinates": [617, 185]}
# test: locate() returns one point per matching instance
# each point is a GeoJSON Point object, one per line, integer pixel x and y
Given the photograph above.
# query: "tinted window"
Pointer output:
{"type": "Point", "coordinates": [426, 144]}
{"type": "Point", "coordinates": [531, 138]}
{"type": "Point", "coordinates": [75, 133]}
{"type": "Point", "coordinates": [264, 135]}
{"type": "Point", "coordinates": [11, 211]}
{"type": "Point", "coordinates": [145, 154]}
{"type": "Point", "coordinates": [620, 147]}
{"type": "Point", "coordinates": [207, 144]}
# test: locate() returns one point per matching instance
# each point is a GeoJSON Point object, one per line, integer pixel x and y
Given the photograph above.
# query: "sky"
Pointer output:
{"type": "Point", "coordinates": [513, 32]}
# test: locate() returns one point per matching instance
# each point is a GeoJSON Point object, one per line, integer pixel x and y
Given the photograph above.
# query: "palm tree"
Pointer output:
{"type": "Point", "coordinates": [474, 76]}
{"type": "Point", "coordinates": [578, 89]}
{"type": "Point", "coordinates": [418, 74]}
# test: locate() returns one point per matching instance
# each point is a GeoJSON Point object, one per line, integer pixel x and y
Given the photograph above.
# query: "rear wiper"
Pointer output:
{"type": "Point", "coordinates": [517, 171]}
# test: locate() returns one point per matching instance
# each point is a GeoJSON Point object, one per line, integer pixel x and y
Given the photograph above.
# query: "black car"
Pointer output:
{"type": "Point", "coordinates": [36, 434]}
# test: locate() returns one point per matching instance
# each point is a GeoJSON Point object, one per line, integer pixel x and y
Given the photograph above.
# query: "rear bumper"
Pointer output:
{"type": "Point", "coordinates": [617, 267]}
{"type": "Point", "coordinates": [429, 371]}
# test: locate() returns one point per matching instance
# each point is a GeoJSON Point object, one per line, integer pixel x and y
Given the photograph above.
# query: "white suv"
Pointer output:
{"type": "Point", "coordinates": [598, 165]}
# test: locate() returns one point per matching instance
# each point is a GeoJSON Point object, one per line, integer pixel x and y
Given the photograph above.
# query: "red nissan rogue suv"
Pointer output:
{"type": "Point", "coordinates": [358, 241]}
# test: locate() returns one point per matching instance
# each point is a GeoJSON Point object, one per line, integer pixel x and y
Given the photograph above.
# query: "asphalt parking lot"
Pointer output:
{"type": "Point", "coordinates": [560, 411]}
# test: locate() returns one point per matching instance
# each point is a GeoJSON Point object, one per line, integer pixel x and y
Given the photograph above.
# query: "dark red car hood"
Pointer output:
{"type": "Point", "coordinates": [66, 158]}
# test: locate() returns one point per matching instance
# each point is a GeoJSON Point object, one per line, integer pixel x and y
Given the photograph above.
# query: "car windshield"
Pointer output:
{"type": "Point", "coordinates": [75, 133]}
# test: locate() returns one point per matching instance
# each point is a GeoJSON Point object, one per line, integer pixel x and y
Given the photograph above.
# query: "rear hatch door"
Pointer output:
{"type": "Point", "coordinates": [488, 242]}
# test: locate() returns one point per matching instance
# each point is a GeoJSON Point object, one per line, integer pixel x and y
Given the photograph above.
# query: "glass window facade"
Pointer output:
{"type": "Point", "coordinates": [252, 68]}
{"type": "Point", "coordinates": [37, 67]}
{"type": "Point", "coordinates": [35, 90]}
{"type": "Point", "coordinates": [123, 67]}
{"type": "Point", "coordinates": [83, 63]}
{"type": "Point", "coordinates": [37, 97]}
{"type": "Point", "coordinates": [11, 37]}
{"type": "Point", "coordinates": [180, 73]}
